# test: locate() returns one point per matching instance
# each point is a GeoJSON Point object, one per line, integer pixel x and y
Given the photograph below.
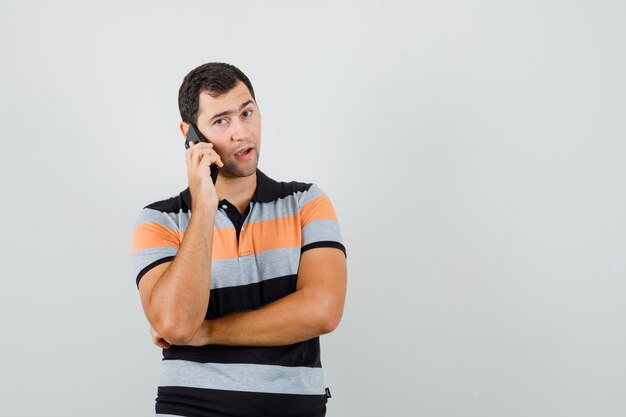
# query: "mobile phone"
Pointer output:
{"type": "Point", "coordinates": [194, 135]}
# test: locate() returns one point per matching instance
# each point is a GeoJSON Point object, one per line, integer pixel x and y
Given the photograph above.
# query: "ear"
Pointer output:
{"type": "Point", "coordinates": [184, 128]}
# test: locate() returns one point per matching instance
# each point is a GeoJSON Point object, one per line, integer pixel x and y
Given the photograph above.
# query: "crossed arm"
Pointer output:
{"type": "Point", "coordinates": [313, 309]}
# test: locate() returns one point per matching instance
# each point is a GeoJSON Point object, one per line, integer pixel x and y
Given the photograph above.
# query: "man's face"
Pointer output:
{"type": "Point", "coordinates": [232, 123]}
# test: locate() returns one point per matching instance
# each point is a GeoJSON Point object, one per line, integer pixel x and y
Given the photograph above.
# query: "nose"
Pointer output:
{"type": "Point", "coordinates": [240, 131]}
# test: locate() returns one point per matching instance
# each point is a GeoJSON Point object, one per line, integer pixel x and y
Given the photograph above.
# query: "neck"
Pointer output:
{"type": "Point", "coordinates": [237, 190]}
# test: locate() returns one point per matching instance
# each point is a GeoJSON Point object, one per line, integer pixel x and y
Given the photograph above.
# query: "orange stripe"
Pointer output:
{"type": "Point", "coordinates": [257, 237]}
{"type": "Point", "coordinates": [152, 235]}
{"type": "Point", "coordinates": [320, 208]}
{"type": "Point", "coordinates": [224, 243]}
{"type": "Point", "coordinates": [283, 232]}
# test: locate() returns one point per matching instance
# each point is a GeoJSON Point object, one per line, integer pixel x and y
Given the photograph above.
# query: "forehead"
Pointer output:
{"type": "Point", "coordinates": [229, 101]}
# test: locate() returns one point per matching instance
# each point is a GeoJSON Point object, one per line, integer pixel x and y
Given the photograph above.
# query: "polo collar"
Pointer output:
{"type": "Point", "coordinates": [266, 190]}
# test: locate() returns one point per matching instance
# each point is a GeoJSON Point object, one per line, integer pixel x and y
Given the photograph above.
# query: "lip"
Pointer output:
{"type": "Point", "coordinates": [243, 149]}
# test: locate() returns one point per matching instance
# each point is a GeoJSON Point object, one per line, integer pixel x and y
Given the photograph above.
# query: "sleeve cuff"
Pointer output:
{"type": "Point", "coordinates": [324, 244]}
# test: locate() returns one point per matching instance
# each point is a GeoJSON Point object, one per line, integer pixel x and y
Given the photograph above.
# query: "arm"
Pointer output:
{"type": "Point", "coordinates": [174, 295]}
{"type": "Point", "coordinates": [313, 309]}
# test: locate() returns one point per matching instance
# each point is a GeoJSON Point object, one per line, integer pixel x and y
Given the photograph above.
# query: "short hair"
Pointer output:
{"type": "Point", "coordinates": [216, 78]}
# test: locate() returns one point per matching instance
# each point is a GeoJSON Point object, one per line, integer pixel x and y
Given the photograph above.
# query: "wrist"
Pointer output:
{"type": "Point", "coordinates": [203, 208]}
{"type": "Point", "coordinates": [204, 202]}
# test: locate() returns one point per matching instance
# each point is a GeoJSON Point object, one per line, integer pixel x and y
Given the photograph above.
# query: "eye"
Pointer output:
{"type": "Point", "coordinates": [217, 122]}
{"type": "Point", "coordinates": [247, 113]}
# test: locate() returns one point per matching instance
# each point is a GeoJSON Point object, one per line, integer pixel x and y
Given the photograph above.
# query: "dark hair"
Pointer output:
{"type": "Point", "coordinates": [216, 78]}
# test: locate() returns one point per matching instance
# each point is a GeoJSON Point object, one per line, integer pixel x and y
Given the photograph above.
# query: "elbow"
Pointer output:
{"type": "Point", "coordinates": [175, 337]}
{"type": "Point", "coordinates": [175, 333]}
{"type": "Point", "coordinates": [329, 325]}
{"type": "Point", "coordinates": [329, 318]}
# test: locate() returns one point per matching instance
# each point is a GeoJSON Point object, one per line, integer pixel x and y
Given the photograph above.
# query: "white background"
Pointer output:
{"type": "Point", "coordinates": [473, 150]}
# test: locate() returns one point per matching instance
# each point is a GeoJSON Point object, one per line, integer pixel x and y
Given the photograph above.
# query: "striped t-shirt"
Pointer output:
{"type": "Point", "coordinates": [254, 262]}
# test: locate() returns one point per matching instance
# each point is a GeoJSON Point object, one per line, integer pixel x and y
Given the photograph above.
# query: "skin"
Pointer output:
{"type": "Point", "coordinates": [175, 294]}
{"type": "Point", "coordinates": [236, 181]}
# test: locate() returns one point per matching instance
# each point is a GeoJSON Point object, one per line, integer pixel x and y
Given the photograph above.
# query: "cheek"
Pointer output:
{"type": "Point", "coordinates": [220, 149]}
{"type": "Point", "coordinates": [222, 153]}
{"type": "Point", "coordinates": [218, 139]}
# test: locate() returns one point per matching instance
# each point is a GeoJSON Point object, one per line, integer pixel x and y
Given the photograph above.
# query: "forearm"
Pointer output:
{"type": "Point", "coordinates": [299, 316]}
{"type": "Point", "coordinates": [179, 300]}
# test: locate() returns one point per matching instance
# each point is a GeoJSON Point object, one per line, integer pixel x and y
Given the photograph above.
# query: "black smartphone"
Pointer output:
{"type": "Point", "coordinates": [194, 135]}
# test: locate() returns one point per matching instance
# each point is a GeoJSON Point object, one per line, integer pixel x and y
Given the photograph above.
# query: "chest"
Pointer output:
{"type": "Point", "coordinates": [262, 264]}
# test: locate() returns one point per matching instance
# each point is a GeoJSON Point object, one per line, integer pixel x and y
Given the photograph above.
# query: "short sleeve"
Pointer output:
{"type": "Point", "coordinates": [318, 220]}
{"type": "Point", "coordinates": [155, 240]}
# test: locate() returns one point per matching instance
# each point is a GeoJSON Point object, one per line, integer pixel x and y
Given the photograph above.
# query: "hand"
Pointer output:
{"type": "Point", "coordinates": [158, 340]}
{"type": "Point", "coordinates": [199, 158]}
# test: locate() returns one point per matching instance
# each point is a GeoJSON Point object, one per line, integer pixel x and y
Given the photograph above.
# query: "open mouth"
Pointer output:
{"type": "Point", "coordinates": [244, 152]}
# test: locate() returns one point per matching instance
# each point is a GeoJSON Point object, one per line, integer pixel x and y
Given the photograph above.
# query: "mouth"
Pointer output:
{"type": "Point", "coordinates": [244, 151]}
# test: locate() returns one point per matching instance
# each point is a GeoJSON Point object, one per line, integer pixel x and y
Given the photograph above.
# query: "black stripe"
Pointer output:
{"type": "Point", "coordinates": [305, 353]}
{"type": "Point", "coordinates": [269, 190]}
{"type": "Point", "coordinates": [170, 205]}
{"type": "Point", "coordinates": [229, 300]}
{"type": "Point", "coordinates": [199, 402]}
{"type": "Point", "coordinates": [152, 265]}
{"type": "Point", "coordinates": [324, 244]}
{"type": "Point", "coordinates": [224, 301]}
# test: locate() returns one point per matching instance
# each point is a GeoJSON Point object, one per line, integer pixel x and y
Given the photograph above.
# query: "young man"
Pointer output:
{"type": "Point", "coordinates": [238, 293]}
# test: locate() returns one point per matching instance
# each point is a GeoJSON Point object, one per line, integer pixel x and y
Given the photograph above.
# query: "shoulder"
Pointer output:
{"type": "Point", "coordinates": [174, 204]}
{"type": "Point", "coordinates": [167, 212]}
{"type": "Point", "coordinates": [269, 189]}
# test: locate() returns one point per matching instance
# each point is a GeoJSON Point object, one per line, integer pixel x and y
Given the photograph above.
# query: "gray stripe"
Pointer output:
{"type": "Point", "coordinates": [313, 192]}
{"type": "Point", "coordinates": [222, 221]}
{"type": "Point", "coordinates": [319, 230]}
{"type": "Point", "coordinates": [254, 268]}
{"type": "Point", "coordinates": [233, 271]}
{"type": "Point", "coordinates": [145, 257]}
{"type": "Point", "coordinates": [174, 221]}
{"type": "Point", "coordinates": [282, 207]}
{"type": "Point", "coordinates": [180, 220]}
{"type": "Point", "coordinates": [243, 377]}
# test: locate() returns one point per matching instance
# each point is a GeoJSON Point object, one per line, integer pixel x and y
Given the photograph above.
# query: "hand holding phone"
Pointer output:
{"type": "Point", "coordinates": [194, 135]}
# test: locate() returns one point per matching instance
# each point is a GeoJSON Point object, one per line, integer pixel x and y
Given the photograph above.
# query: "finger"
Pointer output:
{"type": "Point", "coordinates": [195, 146]}
{"type": "Point", "coordinates": [214, 158]}
{"type": "Point", "coordinates": [199, 152]}
{"type": "Point", "coordinates": [162, 343]}
{"type": "Point", "coordinates": [158, 340]}
{"type": "Point", "coordinates": [200, 145]}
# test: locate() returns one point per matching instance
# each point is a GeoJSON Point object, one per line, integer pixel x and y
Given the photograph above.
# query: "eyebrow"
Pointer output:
{"type": "Point", "coordinates": [224, 113]}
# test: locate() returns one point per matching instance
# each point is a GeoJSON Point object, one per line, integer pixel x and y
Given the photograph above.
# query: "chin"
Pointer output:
{"type": "Point", "coordinates": [237, 172]}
